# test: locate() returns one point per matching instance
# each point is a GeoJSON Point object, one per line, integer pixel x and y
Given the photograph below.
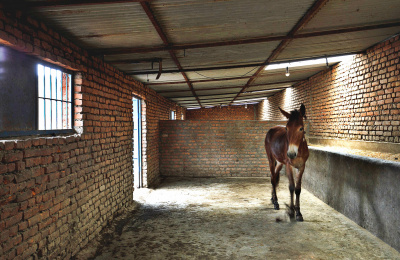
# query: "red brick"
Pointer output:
{"type": "Point", "coordinates": [13, 157]}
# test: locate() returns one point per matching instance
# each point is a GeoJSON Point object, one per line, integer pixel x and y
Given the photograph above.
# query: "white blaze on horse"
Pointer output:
{"type": "Point", "coordinates": [288, 146]}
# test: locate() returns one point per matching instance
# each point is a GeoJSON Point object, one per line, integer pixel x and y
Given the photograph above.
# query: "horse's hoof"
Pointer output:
{"type": "Point", "coordinates": [299, 217]}
{"type": "Point", "coordinates": [276, 206]}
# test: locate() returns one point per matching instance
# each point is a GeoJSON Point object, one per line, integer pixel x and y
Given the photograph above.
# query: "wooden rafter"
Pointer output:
{"type": "Point", "coordinates": [115, 51]}
{"type": "Point", "coordinates": [150, 15]}
{"type": "Point", "coordinates": [299, 25]}
{"type": "Point", "coordinates": [208, 89]}
{"type": "Point", "coordinates": [58, 3]}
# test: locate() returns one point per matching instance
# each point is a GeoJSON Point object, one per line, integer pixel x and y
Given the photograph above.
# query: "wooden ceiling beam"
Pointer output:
{"type": "Point", "coordinates": [146, 7]}
{"type": "Point", "coordinates": [223, 79]}
{"type": "Point", "coordinates": [208, 89]}
{"type": "Point", "coordinates": [314, 9]}
{"type": "Point", "coordinates": [192, 69]}
{"type": "Point", "coordinates": [195, 81]}
{"type": "Point", "coordinates": [62, 3]}
{"type": "Point", "coordinates": [202, 96]}
{"type": "Point", "coordinates": [239, 66]}
{"type": "Point", "coordinates": [116, 51]}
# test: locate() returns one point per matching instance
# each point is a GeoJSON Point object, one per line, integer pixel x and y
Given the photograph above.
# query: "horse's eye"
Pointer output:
{"type": "Point", "coordinates": [302, 129]}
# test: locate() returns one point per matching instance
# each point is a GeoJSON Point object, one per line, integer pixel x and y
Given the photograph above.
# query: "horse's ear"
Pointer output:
{"type": "Point", "coordinates": [303, 111]}
{"type": "Point", "coordinates": [286, 114]}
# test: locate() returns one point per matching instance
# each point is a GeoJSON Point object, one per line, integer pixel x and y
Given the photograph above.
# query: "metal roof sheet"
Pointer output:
{"type": "Point", "coordinates": [102, 26]}
{"type": "Point", "coordinates": [199, 20]}
{"type": "Point", "coordinates": [335, 44]}
{"type": "Point", "coordinates": [342, 14]}
{"type": "Point", "coordinates": [228, 55]}
{"type": "Point", "coordinates": [215, 40]}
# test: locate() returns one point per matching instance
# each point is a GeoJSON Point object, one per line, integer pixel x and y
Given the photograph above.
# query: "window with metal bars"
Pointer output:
{"type": "Point", "coordinates": [36, 97]}
{"type": "Point", "coordinates": [54, 99]}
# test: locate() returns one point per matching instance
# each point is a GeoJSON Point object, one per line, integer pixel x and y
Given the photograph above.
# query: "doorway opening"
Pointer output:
{"type": "Point", "coordinates": [137, 143]}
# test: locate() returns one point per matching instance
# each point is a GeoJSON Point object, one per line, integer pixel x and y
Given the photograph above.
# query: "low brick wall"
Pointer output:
{"type": "Point", "coordinates": [214, 148]}
{"type": "Point", "coordinates": [223, 113]}
{"type": "Point", "coordinates": [362, 188]}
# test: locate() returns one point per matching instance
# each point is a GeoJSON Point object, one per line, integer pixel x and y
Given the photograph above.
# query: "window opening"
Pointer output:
{"type": "Point", "coordinates": [36, 97]}
{"type": "Point", "coordinates": [54, 99]}
{"type": "Point", "coordinates": [172, 115]}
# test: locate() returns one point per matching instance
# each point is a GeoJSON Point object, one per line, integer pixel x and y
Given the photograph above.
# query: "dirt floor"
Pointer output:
{"type": "Point", "coordinates": [218, 218]}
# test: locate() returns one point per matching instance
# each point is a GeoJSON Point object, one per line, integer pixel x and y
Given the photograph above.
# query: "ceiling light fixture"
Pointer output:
{"type": "Point", "coordinates": [287, 72]}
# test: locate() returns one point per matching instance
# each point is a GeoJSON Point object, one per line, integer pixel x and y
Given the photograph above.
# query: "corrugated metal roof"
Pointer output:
{"type": "Point", "coordinates": [164, 87]}
{"type": "Point", "coordinates": [200, 21]}
{"type": "Point", "coordinates": [227, 55]}
{"type": "Point", "coordinates": [219, 84]}
{"type": "Point", "coordinates": [217, 74]}
{"type": "Point", "coordinates": [102, 26]}
{"type": "Point", "coordinates": [335, 44]}
{"type": "Point", "coordinates": [237, 37]}
{"type": "Point", "coordinates": [217, 91]}
{"type": "Point", "coordinates": [342, 14]}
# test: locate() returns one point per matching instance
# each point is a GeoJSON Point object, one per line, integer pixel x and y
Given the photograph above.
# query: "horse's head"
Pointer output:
{"type": "Point", "coordinates": [295, 129]}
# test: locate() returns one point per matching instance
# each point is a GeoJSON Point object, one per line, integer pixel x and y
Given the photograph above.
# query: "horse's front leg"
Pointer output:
{"type": "Point", "coordinates": [299, 175]}
{"type": "Point", "coordinates": [289, 173]}
{"type": "Point", "coordinates": [275, 180]}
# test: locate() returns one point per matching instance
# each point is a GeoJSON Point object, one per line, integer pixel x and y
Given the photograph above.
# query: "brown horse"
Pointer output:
{"type": "Point", "coordinates": [287, 146]}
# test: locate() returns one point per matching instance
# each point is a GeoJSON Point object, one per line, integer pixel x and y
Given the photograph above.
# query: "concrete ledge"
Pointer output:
{"type": "Point", "coordinates": [353, 144]}
{"type": "Point", "coordinates": [364, 189]}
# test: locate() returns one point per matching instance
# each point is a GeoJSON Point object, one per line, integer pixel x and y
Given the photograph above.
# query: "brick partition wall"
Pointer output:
{"type": "Point", "coordinates": [214, 148]}
{"type": "Point", "coordinates": [57, 193]}
{"type": "Point", "coordinates": [223, 113]}
{"type": "Point", "coordinates": [355, 100]}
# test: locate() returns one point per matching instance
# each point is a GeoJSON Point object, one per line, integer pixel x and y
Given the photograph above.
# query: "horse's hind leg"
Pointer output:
{"type": "Point", "coordinates": [275, 181]}
{"type": "Point", "coordinates": [278, 171]}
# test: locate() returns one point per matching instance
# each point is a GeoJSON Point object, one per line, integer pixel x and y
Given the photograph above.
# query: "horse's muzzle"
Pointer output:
{"type": "Point", "coordinates": [292, 155]}
{"type": "Point", "coordinates": [292, 151]}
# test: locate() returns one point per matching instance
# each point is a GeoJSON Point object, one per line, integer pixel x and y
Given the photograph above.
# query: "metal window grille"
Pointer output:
{"type": "Point", "coordinates": [54, 99]}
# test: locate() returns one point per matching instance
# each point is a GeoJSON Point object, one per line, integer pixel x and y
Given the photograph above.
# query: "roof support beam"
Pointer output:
{"type": "Point", "coordinates": [150, 15]}
{"type": "Point", "coordinates": [250, 65]}
{"type": "Point", "coordinates": [221, 79]}
{"type": "Point", "coordinates": [115, 51]}
{"type": "Point", "coordinates": [196, 81]}
{"type": "Point", "coordinates": [193, 69]}
{"type": "Point", "coordinates": [58, 3]}
{"type": "Point", "coordinates": [299, 25]}
{"type": "Point", "coordinates": [132, 61]}
{"type": "Point", "coordinates": [208, 89]}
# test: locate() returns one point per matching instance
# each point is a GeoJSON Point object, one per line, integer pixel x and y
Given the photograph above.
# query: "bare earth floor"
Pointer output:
{"type": "Point", "coordinates": [232, 218]}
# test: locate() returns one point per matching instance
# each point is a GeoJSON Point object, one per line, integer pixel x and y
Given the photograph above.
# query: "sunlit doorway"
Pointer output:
{"type": "Point", "coordinates": [137, 143]}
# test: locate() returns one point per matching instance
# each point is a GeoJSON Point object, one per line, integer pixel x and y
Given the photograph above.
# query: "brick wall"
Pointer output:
{"type": "Point", "coordinates": [214, 148]}
{"type": "Point", "coordinates": [355, 100]}
{"type": "Point", "coordinates": [57, 193]}
{"type": "Point", "coordinates": [223, 113]}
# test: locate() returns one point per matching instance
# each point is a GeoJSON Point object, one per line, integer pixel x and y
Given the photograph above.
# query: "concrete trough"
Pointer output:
{"type": "Point", "coordinates": [364, 189]}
